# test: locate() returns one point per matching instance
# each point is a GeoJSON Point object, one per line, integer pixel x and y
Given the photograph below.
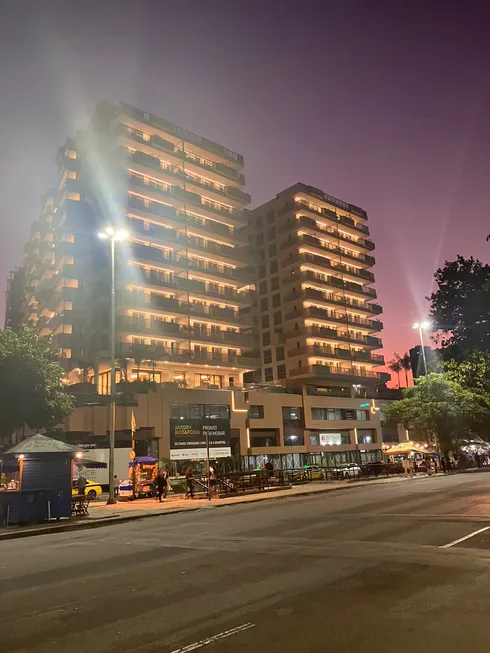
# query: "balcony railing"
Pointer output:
{"type": "Point", "coordinates": [156, 353]}
{"type": "Point", "coordinates": [338, 352]}
{"type": "Point", "coordinates": [333, 372]}
{"type": "Point", "coordinates": [325, 332]}
{"type": "Point", "coordinates": [309, 223]}
{"type": "Point", "coordinates": [184, 332]}
{"type": "Point", "coordinates": [314, 312]}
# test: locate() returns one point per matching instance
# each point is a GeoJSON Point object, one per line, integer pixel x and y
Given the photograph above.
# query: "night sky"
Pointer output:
{"type": "Point", "coordinates": [383, 104]}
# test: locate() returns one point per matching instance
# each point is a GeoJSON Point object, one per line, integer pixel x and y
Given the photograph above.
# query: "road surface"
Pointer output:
{"type": "Point", "coordinates": [398, 567]}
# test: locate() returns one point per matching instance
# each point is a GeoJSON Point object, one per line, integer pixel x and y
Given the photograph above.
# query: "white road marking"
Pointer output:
{"type": "Point", "coordinates": [466, 537]}
{"type": "Point", "coordinates": [214, 638]}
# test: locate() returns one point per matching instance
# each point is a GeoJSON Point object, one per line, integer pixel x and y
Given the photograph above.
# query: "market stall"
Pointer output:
{"type": "Point", "coordinates": [141, 479]}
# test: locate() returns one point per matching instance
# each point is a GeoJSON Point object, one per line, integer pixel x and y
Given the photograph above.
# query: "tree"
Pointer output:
{"type": "Point", "coordinates": [406, 364]}
{"type": "Point", "coordinates": [31, 390]}
{"type": "Point", "coordinates": [395, 365]}
{"type": "Point", "coordinates": [460, 308]}
{"type": "Point", "coordinates": [472, 373]}
{"type": "Point", "coordinates": [445, 409]}
{"type": "Point", "coordinates": [123, 364]}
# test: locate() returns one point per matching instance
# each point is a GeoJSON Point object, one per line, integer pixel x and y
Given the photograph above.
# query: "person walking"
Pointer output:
{"type": "Point", "coordinates": [443, 463]}
{"type": "Point", "coordinates": [161, 485]}
{"type": "Point", "coordinates": [190, 483]}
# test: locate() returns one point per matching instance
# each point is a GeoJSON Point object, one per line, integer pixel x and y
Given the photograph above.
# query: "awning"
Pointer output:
{"type": "Point", "coordinates": [90, 464]}
{"type": "Point", "coordinates": [405, 448]}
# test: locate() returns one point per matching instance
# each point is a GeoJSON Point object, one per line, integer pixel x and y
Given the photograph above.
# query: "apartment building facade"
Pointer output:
{"type": "Point", "coordinates": [316, 311]}
{"type": "Point", "coordinates": [183, 283]}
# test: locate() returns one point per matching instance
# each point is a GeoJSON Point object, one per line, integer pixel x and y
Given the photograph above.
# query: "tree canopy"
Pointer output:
{"type": "Point", "coordinates": [473, 372]}
{"type": "Point", "coordinates": [31, 390]}
{"type": "Point", "coordinates": [460, 307]}
{"type": "Point", "coordinates": [445, 408]}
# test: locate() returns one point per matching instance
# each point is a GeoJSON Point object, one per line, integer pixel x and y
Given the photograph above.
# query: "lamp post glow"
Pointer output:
{"type": "Point", "coordinates": [113, 235]}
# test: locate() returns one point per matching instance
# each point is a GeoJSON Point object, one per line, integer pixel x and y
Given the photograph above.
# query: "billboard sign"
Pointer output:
{"type": "Point", "coordinates": [188, 438]}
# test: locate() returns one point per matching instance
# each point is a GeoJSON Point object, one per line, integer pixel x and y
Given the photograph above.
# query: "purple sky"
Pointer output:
{"type": "Point", "coordinates": [385, 104]}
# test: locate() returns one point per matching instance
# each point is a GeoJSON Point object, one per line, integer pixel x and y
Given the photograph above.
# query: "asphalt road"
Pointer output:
{"type": "Point", "coordinates": [366, 569]}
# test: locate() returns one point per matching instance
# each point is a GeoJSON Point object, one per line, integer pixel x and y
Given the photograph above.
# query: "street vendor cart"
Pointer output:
{"type": "Point", "coordinates": [141, 479]}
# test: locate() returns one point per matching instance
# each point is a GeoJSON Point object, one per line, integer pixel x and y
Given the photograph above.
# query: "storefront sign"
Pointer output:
{"type": "Point", "coordinates": [188, 438]}
{"type": "Point", "coordinates": [328, 439]}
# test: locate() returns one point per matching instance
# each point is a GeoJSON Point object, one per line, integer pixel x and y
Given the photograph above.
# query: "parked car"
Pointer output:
{"type": "Point", "coordinates": [92, 490]}
{"type": "Point", "coordinates": [314, 473]}
{"type": "Point", "coordinates": [347, 470]}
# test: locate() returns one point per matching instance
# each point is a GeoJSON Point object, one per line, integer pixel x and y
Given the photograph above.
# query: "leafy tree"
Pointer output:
{"type": "Point", "coordinates": [473, 372]}
{"type": "Point", "coordinates": [460, 308]}
{"type": "Point", "coordinates": [31, 390]}
{"type": "Point", "coordinates": [445, 409]}
{"type": "Point", "coordinates": [395, 365]}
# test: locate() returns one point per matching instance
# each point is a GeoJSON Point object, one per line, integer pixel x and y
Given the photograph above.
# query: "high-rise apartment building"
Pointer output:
{"type": "Point", "coordinates": [316, 311]}
{"type": "Point", "coordinates": [183, 280]}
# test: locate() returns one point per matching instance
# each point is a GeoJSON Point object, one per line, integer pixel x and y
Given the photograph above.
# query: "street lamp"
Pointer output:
{"type": "Point", "coordinates": [114, 235]}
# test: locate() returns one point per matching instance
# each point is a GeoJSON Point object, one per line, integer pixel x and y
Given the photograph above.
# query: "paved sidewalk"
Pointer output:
{"type": "Point", "coordinates": [102, 514]}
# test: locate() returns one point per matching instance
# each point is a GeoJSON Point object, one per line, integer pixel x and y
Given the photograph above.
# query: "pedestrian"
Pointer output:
{"type": "Point", "coordinates": [190, 483]}
{"type": "Point", "coordinates": [81, 484]}
{"type": "Point", "coordinates": [477, 459]}
{"type": "Point", "coordinates": [407, 466]}
{"type": "Point", "coordinates": [212, 481]}
{"type": "Point", "coordinates": [116, 486]}
{"type": "Point", "coordinates": [161, 485]}
{"type": "Point", "coordinates": [443, 463]}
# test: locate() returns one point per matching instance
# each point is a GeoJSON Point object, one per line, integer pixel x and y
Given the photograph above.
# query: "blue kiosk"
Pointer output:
{"type": "Point", "coordinates": [36, 481]}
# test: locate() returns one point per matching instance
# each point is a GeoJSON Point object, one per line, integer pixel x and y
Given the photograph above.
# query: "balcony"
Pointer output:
{"type": "Point", "coordinates": [183, 331]}
{"type": "Point", "coordinates": [313, 312]}
{"type": "Point", "coordinates": [329, 298]}
{"type": "Point", "coordinates": [247, 361]}
{"type": "Point", "coordinates": [308, 223]}
{"type": "Point", "coordinates": [183, 134]}
{"type": "Point", "coordinates": [325, 332]}
{"type": "Point", "coordinates": [334, 373]}
{"type": "Point", "coordinates": [194, 286]}
{"type": "Point", "coordinates": [325, 213]}
{"type": "Point", "coordinates": [338, 352]}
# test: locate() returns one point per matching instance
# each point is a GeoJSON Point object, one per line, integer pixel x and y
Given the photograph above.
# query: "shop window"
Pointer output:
{"type": "Point", "coordinates": [329, 438]}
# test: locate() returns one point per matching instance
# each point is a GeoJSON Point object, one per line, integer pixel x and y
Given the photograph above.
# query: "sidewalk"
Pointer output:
{"type": "Point", "coordinates": [102, 514]}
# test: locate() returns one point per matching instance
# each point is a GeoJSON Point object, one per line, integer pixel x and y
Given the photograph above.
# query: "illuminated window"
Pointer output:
{"type": "Point", "coordinates": [73, 196]}
{"type": "Point", "coordinates": [71, 154]}
{"type": "Point", "coordinates": [69, 238]}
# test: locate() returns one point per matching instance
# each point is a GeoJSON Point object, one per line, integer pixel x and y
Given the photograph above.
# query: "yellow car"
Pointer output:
{"type": "Point", "coordinates": [92, 490]}
{"type": "Point", "coordinates": [313, 473]}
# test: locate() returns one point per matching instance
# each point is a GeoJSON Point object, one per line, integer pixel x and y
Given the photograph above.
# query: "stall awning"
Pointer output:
{"type": "Point", "coordinates": [405, 448]}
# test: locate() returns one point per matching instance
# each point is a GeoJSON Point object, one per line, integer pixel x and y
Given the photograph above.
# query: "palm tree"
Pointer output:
{"type": "Point", "coordinates": [395, 365]}
{"type": "Point", "coordinates": [406, 364]}
{"type": "Point", "coordinates": [123, 364]}
{"type": "Point", "coordinates": [152, 364]}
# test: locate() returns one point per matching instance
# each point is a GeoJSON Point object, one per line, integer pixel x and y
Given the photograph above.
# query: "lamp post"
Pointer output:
{"type": "Point", "coordinates": [421, 326]}
{"type": "Point", "coordinates": [113, 235]}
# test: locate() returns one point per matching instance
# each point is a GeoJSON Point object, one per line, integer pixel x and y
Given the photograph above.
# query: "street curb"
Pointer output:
{"type": "Point", "coordinates": [109, 521]}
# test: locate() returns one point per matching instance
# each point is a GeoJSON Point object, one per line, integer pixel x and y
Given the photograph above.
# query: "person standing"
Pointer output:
{"type": "Point", "coordinates": [190, 483]}
{"type": "Point", "coordinates": [81, 484]}
{"type": "Point", "coordinates": [212, 481]}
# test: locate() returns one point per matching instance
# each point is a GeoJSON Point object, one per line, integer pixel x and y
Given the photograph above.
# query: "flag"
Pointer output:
{"type": "Point", "coordinates": [133, 429]}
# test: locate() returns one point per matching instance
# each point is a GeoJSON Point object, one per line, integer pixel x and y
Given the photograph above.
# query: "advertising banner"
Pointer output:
{"type": "Point", "coordinates": [188, 438]}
